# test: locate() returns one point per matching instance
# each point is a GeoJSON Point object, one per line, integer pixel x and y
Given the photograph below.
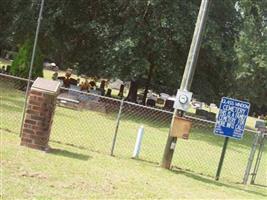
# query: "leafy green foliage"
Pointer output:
{"type": "Point", "coordinates": [148, 41]}
{"type": "Point", "coordinates": [251, 48]}
{"type": "Point", "coordinates": [21, 65]}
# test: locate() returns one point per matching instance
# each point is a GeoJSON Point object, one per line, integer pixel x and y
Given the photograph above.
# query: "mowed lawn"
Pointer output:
{"type": "Point", "coordinates": [79, 166]}
{"type": "Point", "coordinates": [71, 173]}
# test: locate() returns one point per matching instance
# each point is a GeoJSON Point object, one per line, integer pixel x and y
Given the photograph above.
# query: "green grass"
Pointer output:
{"type": "Point", "coordinates": [80, 167]}
{"type": "Point", "coordinates": [71, 173]}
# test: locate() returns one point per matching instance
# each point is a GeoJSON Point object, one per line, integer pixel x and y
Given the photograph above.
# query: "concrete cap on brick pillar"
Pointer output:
{"type": "Point", "coordinates": [46, 86]}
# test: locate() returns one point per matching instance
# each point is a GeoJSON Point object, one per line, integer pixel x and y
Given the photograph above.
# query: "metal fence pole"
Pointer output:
{"type": "Point", "coordinates": [117, 128]}
{"type": "Point", "coordinates": [32, 61]}
{"type": "Point", "coordinates": [259, 156]}
{"type": "Point", "coordinates": [251, 158]}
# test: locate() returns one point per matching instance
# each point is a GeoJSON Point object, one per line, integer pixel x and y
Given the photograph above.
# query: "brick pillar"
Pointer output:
{"type": "Point", "coordinates": [39, 114]}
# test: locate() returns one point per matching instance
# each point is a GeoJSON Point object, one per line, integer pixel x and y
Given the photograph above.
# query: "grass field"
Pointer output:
{"type": "Point", "coordinates": [79, 166]}
{"type": "Point", "coordinates": [71, 173]}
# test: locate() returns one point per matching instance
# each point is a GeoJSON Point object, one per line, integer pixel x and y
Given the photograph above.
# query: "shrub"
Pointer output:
{"type": "Point", "coordinates": [21, 65]}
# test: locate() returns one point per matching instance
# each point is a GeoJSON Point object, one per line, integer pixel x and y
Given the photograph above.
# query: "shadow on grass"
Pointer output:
{"type": "Point", "coordinates": [68, 144]}
{"type": "Point", "coordinates": [201, 177]}
{"type": "Point", "coordinates": [146, 161]}
{"type": "Point", "coordinates": [75, 146]}
{"type": "Point", "coordinates": [213, 182]}
{"type": "Point", "coordinates": [66, 153]}
{"type": "Point", "coordinates": [259, 185]}
{"type": "Point", "coordinates": [191, 174]}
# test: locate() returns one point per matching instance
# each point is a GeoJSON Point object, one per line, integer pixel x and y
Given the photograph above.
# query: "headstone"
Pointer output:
{"type": "Point", "coordinates": [202, 113]}
{"type": "Point", "coordinates": [169, 105]}
{"type": "Point", "coordinates": [102, 84]}
{"type": "Point", "coordinates": [160, 101]}
{"type": "Point", "coordinates": [151, 102]}
{"type": "Point", "coordinates": [85, 86]}
{"type": "Point", "coordinates": [8, 67]}
{"type": "Point", "coordinates": [260, 123]}
{"type": "Point", "coordinates": [108, 94]}
{"type": "Point", "coordinates": [116, 84]}
{"type": "Point", "coordinates": [164, 96]}
{"type": "Point", "coordinates": [74, 90]}
{"type": "Point", "coordinates": [3, 69]}
{"type": "Point", "coordinates": [92, 83]}
{"type": "Point", "coordinates": [102, 87]}
{"type": "Point", "coordinates": [55, 76]}
{"type": "Point", "coordinates": [121, 91]}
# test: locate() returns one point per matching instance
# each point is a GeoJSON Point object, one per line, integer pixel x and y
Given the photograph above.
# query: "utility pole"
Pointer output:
{"type": "Point", "coordinates": [32, 61]}
{"type": "Point", "coordinates": [187, 76]}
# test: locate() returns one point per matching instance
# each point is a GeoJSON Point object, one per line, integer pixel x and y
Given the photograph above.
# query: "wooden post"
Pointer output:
{"type": "Point", "coordinates": [188, 74]}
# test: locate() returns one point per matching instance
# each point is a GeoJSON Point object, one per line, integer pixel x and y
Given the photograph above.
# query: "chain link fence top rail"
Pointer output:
{"type": "Point", "coordinates": [90, 121]}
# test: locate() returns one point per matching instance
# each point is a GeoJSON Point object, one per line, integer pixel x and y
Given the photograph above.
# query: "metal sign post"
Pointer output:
{"type": "Point", "coordinates": [219, 169]}
{"type": "Point", "coordinates": [230, 123]}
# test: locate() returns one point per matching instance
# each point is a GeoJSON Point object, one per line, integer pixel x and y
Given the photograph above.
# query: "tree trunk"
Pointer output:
{"type": "Point", "coordinates": [132, 95]}
{"type": "Point", "coordinates": [121, 91]}
{"type": "Point", "coordinates": [148, 81]}
{"type": "Point", "coordinates": [60, 61]}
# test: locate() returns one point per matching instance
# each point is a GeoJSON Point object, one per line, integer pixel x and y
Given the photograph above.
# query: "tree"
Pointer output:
{"type": "Point", "coordinates": [143, 41]}
{"type": "Point", "coordinates": [251, 48]}
{"type": "Point", "coordinates": [6, 18]}
{"type": "Point", "coordinates": [150, 41]}
{"type": "Point", "coordinates": [21, 65]}
{"type": "Point", "coordinates": [146, 39]}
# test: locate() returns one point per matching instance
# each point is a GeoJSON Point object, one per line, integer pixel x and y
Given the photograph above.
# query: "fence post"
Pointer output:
{"type": "Point", "coordinates": [251, 158]}
{"type": "Point", "coordinates": [117, 128]}
{"type": "Point", "coordinates": [258, 159]}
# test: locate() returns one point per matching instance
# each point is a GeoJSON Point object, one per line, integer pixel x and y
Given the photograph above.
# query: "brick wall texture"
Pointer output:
{"type": "Point", "coordinates": [38, 120]}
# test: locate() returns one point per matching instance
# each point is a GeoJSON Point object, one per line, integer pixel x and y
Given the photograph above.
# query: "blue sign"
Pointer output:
{"type": "Point", "coordinates": [232, 118]}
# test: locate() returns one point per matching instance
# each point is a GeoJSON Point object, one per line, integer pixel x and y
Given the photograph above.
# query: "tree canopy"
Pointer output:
{"type": "Point", "coordinates": [251, 48]}
{"type": "Point", "coordinates": [147, 41]}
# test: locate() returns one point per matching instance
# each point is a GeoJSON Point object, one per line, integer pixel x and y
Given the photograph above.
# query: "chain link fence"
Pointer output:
{"type": "Point", "coordinates": [109, 126]}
